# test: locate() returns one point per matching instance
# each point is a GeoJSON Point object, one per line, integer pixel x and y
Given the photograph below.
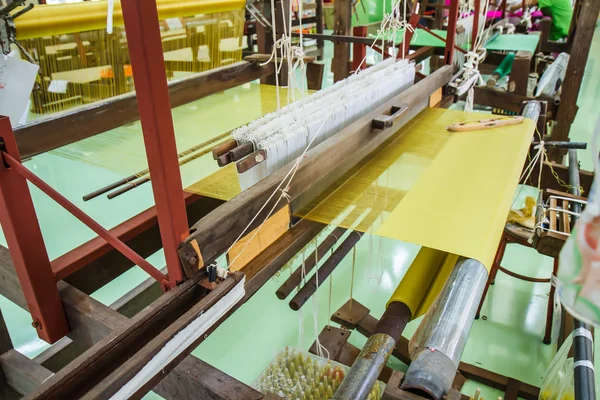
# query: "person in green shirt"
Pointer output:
{"type": "Point", "coordinates": [561, 12]}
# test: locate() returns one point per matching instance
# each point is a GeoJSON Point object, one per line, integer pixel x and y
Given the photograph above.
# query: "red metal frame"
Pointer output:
{"type": "Point", "coordinates": [147, 62]}
{"type": "Point", "coordinates": [37, 275]}
{"type": "Point", "coordinates": [359, 51]}
{"type": "Point", "coordinates": [26, 244]}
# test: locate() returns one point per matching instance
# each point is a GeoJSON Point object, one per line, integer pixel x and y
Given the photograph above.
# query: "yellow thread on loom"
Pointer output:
{"type": "Point", "coordinates": [83, 67]}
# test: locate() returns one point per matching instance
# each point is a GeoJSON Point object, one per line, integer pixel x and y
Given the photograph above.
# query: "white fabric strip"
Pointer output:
{"type": "Point", "coordinates": [583, 332]}
{"type": "Point", "coordinates": [583, 363]}
{"type": "Point", "coordinates": [182, 340]}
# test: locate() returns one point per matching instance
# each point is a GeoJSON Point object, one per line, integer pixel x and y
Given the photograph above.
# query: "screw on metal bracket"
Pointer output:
{"type": "Point", "coordinates": [37, 324]}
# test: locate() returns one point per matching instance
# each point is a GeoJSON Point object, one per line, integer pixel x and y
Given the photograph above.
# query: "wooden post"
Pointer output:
{"type": "Point", "coordinates": [320, 25]}
{"type": "Point", "coordinates": [584, 32]}
{"type": "Point", "coordinates": [341, 51]}
{"type": "Point", "coordinates": [265, 37]}
{"type": "Point", "coordinates": [519, 74]}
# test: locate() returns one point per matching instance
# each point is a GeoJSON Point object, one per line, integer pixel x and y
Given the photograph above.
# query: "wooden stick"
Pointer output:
{"type": "Point", "coordinates": [135, 183]}
{"type": "Point", "coordinates": [323, 250]}
{"type": "Point", "coordinates": [485, 124]}
{"type": "Point", "coordinates": [135, 176]}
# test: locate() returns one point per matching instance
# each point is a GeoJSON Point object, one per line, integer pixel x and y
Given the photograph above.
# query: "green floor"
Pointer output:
{"type": "Point", "coordinates": [508, 341]}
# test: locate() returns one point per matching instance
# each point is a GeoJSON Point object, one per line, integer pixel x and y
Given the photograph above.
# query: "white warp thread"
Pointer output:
{"type": "Point", "coordinates": [182, 340]}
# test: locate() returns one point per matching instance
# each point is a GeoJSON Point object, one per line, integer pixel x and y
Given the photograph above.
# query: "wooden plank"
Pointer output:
{"type": "Point", "coordinates": [512, 389]}
{"type": "Point", "coordinates": [90, 320]}
{"type": "Point", "coordinates": [256, 241]}
{"type": "Point", "coordinates": [584, 32]}
{"type": "Point", "coordinates": [112, 350]}
{"type": "Point", "coordinates": [259, 271]}
{"type": "Point", "coordinates": [508, 101]}
{"type": "Point", "coordinates": [196, 379]}
{"type": "Point", "coordinates": [9, 282]}
{"type": "Point", "coordinates": [323, 165]}
{"type": "Point", "coordinates": [550, 182]}
{"type": "Point", "coordinates": [83, 122]}
{"type": "Point", "coordinates": [5, 341]}
{"type": "Point", "coordinates": [126, 371]}
{"type": "Point", "coordinates": [21, 373]}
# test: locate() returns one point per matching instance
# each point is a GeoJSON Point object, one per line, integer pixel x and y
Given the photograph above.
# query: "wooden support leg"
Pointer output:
{"type": "Point", "coordinates": [550, 310]}
{"type": "Point", "coordinates": [493, 272]}
{"type": "Point", "coordinates": [341, 51]}
{"type": "Point", "coordinates": [519, 74]}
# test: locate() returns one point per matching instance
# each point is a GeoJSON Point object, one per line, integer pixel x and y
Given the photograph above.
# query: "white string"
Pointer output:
{"type": "Point", "coordinates": [109, 16]}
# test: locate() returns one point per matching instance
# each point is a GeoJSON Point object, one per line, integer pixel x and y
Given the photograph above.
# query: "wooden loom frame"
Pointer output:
{"type": "Point", "coordinates": [97, 331]}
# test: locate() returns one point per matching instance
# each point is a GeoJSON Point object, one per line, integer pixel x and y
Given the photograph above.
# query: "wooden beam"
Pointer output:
{"type": "Point", "coordinates": [5, 341]}
{"type": "Point", "coordinates": [83, 122]}
{"type": "Point", "coordinates": [341, 51]}
{"type": "Point", "coordinates": [128, 369]}
{"type": "Point", "coordinates": [21, 373]}
{"type": "Point", "coordinates": [509, 101]}
{"type": "Point", "coordinates": [584, 32]}
{"type": "Point", "coordinates": [550, 182]}
{"type": "Point", "coordinates": [196, 379]}
{"type": "Point", "coordinates": [323, 164]}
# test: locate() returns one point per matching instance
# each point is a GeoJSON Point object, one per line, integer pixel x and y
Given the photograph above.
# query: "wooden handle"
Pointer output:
{"type": "Point", "coordinates": [241, 151]}
{"type": "Point", "coordinates": [223, 148]}
{"type": "Point", "coordinates": [251, 161]}
{"type": "Point", "coordinates": [485, 124]}
{"type": "Point", "coordinates": [386, 121]}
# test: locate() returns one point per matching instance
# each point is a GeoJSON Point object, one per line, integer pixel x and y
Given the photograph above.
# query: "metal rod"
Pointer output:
{"type": "Point", "coordinates": [86, 219]}
{"type": "Point", "coordinates": [443, 333]}
{"type": "Point", "coordinates": [374, 355]}
{"type": "Point", "coordinates": [564, 145]}
{"type": "Point", "coordinates": [585, 387]}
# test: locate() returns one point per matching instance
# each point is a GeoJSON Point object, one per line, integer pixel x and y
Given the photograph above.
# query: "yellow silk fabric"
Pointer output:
{"type": "Point", "coordinates": [443, 190]}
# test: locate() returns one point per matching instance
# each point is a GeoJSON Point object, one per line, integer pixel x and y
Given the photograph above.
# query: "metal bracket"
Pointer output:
{"type": "Point", "coordinates": [8, 31]}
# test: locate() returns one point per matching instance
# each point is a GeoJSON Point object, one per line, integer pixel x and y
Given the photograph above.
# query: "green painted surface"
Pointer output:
{"type": "Point", "coordinates": [508, 341]}
{"type": "Point", "coordinates": [515, 42]}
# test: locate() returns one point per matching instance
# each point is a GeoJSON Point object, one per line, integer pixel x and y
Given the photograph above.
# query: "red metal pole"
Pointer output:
{"type": "Point", "coordinates": [26, 244]}
{"type": "Point", "coordinates": [451, 33]}
{"type": "Point", "coordinates": [475, 31]}
{"type": "Point", "coordinates": [86, 219]}
{"type": "Point", "coordinates": [147, 62]}
{"type": "Point", "coordinates": [359, 51]}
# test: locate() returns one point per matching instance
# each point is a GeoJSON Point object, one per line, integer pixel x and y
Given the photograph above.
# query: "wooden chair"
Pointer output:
{"type": "Point", "coordinates": [516, 236]}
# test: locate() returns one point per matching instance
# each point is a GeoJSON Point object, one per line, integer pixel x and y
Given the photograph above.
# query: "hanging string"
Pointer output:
{"type": "Point", "coordinates": [352, 276]}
